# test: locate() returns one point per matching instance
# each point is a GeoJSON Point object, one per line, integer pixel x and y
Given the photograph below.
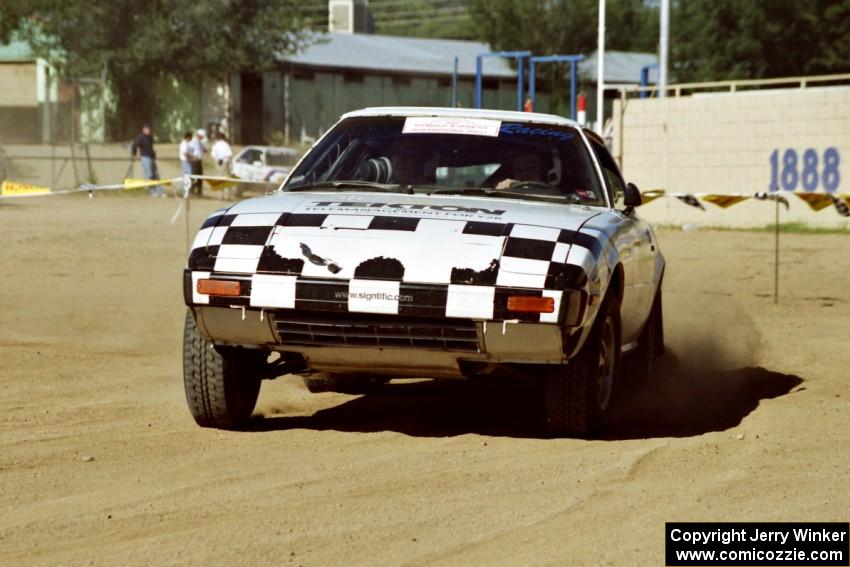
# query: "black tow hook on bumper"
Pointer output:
{"type": "Point", "coordinates": [288, 363]}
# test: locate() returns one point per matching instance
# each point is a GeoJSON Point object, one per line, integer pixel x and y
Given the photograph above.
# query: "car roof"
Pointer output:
{"type": "Point", "coordinates": [447, 112]}
{"type": "Point", "coordinates": [272, 149]}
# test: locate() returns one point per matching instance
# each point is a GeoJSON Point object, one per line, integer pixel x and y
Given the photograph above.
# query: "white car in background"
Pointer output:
{"type": "Point", "coordinates": [264, 163]}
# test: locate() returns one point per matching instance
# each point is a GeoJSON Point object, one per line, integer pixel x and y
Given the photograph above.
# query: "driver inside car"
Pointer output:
{"type": "Point", "coordinates": [413, 163]}
{"type": "Point", "coordinates": [525, 166]}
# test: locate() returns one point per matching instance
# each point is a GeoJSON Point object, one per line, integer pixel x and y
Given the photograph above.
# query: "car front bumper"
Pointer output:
{"type": "Point", "coordinates": [397, 347]}
{"type": "Point", "coordinates": [421, 340]}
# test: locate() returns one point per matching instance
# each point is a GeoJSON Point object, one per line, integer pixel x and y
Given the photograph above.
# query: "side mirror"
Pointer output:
{"type": "Point", "coordinates": [632, 197]}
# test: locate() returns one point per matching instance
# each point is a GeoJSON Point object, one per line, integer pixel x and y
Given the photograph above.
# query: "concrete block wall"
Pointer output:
{"type": "Point", "coordinates": [737, 143]}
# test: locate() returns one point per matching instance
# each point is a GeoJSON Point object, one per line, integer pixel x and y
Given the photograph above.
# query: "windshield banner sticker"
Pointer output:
{"type": "Point", "coordinates": [459, 126]}
{"type": "Point", "coordinates": [525, 130]}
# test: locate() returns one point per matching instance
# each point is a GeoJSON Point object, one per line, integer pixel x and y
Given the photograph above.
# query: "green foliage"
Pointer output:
{"type": "Point", "coordinates": [175, 109]}
{"type": "Point", "coordinates": [564, 26]}
{"type": "Point", "coordinates": [542, 28]}
{"type": "Point", "coordinates": [804, 228]}
{"type": "Point", "coordinates": [448, 19]}
{"type": "Point", "coordinates": [740, 39]}
{"type": "Point", "coordinates": [710, 40]}
{"type": "Point", "coordinates": [784, 228]}
{"type": "Point", "coordinates": [139, 42]}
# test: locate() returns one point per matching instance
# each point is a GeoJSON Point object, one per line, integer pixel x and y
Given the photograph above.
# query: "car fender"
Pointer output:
{"type": "Point", "coordinates": [594, 248]}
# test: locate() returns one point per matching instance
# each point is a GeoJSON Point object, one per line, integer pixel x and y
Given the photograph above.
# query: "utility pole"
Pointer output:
{"type": "Point", "coordinates": [663, 46]}
{"type": "Point", "coordinates": [600, 69]}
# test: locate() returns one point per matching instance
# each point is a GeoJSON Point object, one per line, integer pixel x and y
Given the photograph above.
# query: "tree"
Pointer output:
{"type": "Point", "coordinates": [710, 39]}
{"type": "Point", "coordinates": [447, 19]}
{"type": "Point", "coordinates": [547, 27]}
{"type": "Point", "coordinates": [564, 26]}
{"type": "Point", "coordinates": [739, 39]}
{"type": "Point", "coordinates": [140, 42]}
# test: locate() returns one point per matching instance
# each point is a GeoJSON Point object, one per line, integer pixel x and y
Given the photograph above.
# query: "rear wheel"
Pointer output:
{"type": "Point", "coordinates": [222, 385]}
{"type": "Point", "coordinates": [579, 395]}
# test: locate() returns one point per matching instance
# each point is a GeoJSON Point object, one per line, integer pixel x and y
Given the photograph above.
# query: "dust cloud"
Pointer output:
{"type": "Point", "coordinates": [709, 379]}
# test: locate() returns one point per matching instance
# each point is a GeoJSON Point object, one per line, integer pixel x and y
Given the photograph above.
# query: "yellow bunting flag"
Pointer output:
{"type": "Point", "coordinates": [817, 201]}
{"type": "Point", "coordinates": [650, 195]}
{"type": "Point", "coordinates": [724, 201]}
{"type": "Point", "coordinates": [130, 184]}
{"type": "Point", "coordinates": [12, 188]}
{"type": "Point", "coordinates": [219, 184]}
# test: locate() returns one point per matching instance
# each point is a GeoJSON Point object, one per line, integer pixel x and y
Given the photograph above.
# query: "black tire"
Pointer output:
{"type": "Point", "coordinates": [580, 394]}
{"type": "Point", "coordinates": [660, 348]}
{"type": "Point", "coordinates": [650, 343]}
{"type": "Point", "coordinates": [222, 386]}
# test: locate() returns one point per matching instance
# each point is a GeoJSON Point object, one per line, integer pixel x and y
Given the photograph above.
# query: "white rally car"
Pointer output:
{"type": "Point", "coordinates": [264, 163]}
{"type": "Point", "coordinates": [429, 242]}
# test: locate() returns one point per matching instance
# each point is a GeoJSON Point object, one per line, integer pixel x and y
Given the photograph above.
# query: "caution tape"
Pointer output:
{"type": "Point", "coordinates": [816, 201]}
{"type": "Point", "coordinates": [130, 184]}
{"type": "Point", "coordinates": [14, 190]}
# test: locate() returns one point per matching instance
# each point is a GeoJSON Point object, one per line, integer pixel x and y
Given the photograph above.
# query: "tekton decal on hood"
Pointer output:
{"type": "Point", "coordinates": [432, 207]}
{"type": "Point", "coordinates": [406, 207]}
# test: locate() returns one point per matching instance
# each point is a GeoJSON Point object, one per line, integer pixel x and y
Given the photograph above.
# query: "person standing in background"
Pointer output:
{"type": "Point", "coordinates": [143, 145]}
{"type": "Point", "coordinates": [222, 153]}
{"type": "Point", "coordinates": [198, 151]}
{"type": "Point", "coordinates": [186, 155]}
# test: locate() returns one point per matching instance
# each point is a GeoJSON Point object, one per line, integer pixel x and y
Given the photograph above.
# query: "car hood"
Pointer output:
{"type": "Point", "coordinates": [389, 236]}
{"type": "Point", "coordinates": [438, 207]}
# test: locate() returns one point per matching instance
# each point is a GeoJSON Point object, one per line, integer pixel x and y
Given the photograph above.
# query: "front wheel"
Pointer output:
{"type": "Point", "coordinates": [579, 395]}
{"type": "Point", "coordinates": [650, 343]}
{"type": "Point", "coordinates": [222, 386]}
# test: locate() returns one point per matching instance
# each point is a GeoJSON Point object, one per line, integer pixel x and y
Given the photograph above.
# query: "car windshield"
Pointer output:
{"type": "Point", "coordinates": [453, 155]}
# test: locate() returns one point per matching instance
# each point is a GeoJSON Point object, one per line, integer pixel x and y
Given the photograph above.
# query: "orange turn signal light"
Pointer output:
{"type": "Point", "coordinates": [527, 304]}
{"type": "Point", "coordinates": [220, 287]}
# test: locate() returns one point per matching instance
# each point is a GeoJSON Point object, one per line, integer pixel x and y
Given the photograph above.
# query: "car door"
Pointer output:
{"type": "Point", "coordinates": [636, 244]}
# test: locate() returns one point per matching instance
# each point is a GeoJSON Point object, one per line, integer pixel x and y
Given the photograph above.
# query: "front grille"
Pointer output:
{"type": "Point", "coordinates": [352, 329]}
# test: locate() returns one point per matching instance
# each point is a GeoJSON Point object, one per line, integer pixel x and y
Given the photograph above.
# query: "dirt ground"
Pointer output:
{"type": "Point", "coordinates": [101, 463]}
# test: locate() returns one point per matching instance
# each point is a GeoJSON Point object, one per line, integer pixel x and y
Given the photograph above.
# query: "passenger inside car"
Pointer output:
{"type": "Point", "coordinates": [525, 166]}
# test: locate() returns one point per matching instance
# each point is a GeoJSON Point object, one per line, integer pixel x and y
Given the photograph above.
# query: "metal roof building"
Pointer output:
{"type": "Point", "coordinates": [408, 55]}
{"type": "Point", "coordinates": [621, 67]}
{"type": "Point", "coordinates": [24, 94]}
{"type": "Point", "coordinates": [339, 72]}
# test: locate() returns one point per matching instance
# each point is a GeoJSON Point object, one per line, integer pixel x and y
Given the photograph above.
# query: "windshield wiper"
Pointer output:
{"type": "Point", "coordinates": [348, 185]}
{"type": "Point", "coordinates": [462, 191]}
